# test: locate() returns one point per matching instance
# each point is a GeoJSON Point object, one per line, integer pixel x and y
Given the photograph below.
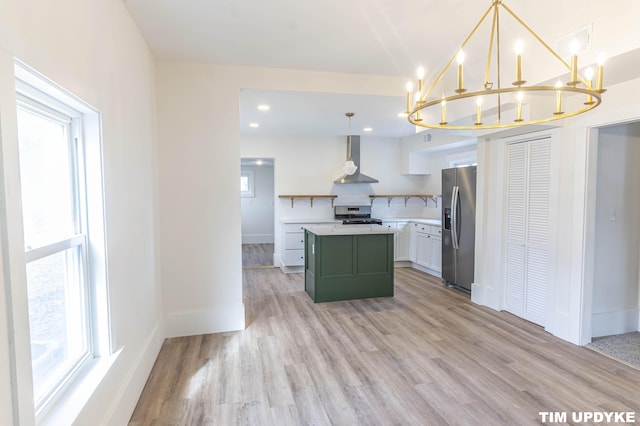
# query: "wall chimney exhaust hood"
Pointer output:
{"type": "Point", "coordinates": [352, 165]}
{"type": "Point", "coordinates": [353, 154]}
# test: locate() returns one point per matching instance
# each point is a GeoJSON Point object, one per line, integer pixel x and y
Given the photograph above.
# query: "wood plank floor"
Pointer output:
{"type": "Point", "coordinates": [426, 356]}
{"type": "Point", "coordinates": [257, 255]}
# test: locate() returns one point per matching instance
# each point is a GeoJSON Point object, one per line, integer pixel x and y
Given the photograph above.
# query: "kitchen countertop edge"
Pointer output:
{"type": "Point", "coordinates": [324, 230]}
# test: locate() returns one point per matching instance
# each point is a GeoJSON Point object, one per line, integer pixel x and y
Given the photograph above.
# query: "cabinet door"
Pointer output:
{"type": "Point", "coordinates": [423, 249]}
{"type": "Point", "coordinates": [436, 253]}
{"type": "Point", "coordinates": [413, 243]}
{"type": "Point", "coordinates": [294, 240]}
{"type": "Point", "coordinates": [403, 241]}
{"type": "Point", "coordinates": [392, 225]}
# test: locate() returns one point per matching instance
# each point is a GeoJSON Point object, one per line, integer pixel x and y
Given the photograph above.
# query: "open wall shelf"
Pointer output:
{"type": "Point", "coordinates": [310, 197]}
{"type": "Point", "coordinates": [423, 197]}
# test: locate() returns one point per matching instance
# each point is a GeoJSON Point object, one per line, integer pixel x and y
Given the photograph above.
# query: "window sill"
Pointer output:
{"type": "Point", "coordinates": [68, 405]}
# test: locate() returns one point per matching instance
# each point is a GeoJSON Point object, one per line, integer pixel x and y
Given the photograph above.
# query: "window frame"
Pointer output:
{"type": "Point", "coordinates": [250, 192]}
{"type": "Point", "coordinates": [34, 91]}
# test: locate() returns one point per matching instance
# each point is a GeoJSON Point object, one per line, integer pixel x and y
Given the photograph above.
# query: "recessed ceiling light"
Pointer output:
{"type": "Point", "coordinates": [254, 125]}
{"type": "Point", "coordinates": [402, 114]}
{"type": "Point", "coordinates": [367, 129]}
{"type": "Point", "coordinates": [263, 107]}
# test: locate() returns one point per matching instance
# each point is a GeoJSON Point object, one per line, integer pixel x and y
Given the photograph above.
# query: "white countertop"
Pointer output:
{"type": "Point", "coordinates": [339, 229]}
{"type": "Point", "coordinates": [436, 222]}
{"type": "Point", "coordinates": [329, 221]}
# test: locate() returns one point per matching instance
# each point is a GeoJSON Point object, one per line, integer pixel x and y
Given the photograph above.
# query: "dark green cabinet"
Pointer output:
{"type": "Point", "coordinates": [346, 267]}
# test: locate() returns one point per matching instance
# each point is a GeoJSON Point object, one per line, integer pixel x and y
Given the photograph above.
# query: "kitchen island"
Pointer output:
{"type": "Point", "coordinates": [345, 262]}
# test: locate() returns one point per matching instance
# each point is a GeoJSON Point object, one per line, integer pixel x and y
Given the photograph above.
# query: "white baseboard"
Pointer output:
{"type": "Point", "coordinates": [257, 238]}
{"type": "Point", "coordinates": [619, 322]}
{"type": "Point", "coordinates": [292, 269]}
{"type": "Point", "coordinates": [205, 321]}
{"type": "Point", "coordinates": [108, 394]}
{"type": "Point", "coordinates": [132, 385]}
{"type": "Point", "coordinates": [478, 294]}
{"type": "Point", "coordinates": [426, 270]}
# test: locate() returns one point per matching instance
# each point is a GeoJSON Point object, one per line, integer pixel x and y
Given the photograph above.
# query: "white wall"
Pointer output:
{"type": "Point", "coordinates": [94, 50]}
{"type": "Point", "coordinates": [617, 231]}
{"type": "Point", "coordinates": [258, 211]}
{"type": "Point", "coordinates": [571, 291]}
{"type": "Point", "coordinates": [309, 165]}
{"type": "Point", "coordinates": [199, 153]}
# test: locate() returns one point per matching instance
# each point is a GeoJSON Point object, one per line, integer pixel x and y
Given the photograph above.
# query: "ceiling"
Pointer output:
{"type": "Point", "coordinates": [377, 37]}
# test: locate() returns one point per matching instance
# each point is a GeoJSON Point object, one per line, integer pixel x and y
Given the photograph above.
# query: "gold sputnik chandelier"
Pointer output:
{"type": "Point", "coordinates": [506, 102]}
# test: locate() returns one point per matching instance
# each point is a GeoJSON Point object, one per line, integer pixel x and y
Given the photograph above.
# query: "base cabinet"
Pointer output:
{"type": "Point", "coordinates": [401, 239]}
{"type": "Point", "coordinates": [346, 267]}
{"type": "Point", "coordinates": [428, 246]}
{"type": "Point", "coordinates": [292, 253]}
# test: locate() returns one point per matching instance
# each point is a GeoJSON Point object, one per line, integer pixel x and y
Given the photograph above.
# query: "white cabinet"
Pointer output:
{"type": "Point", "coordinates": [392, 225]}
{"type": "Point", "coordinates": [413, 241]}
{"type": "Point", "coordinates": [292, 253]}
{"type": "Point", "coordinates": [401, 239]}
{"type": "Point", "coordinates": [427, 246]}
{"type": "Point", "coordinates": [416, 163]}
{"type": "Point", "coordinates": [293, 244]}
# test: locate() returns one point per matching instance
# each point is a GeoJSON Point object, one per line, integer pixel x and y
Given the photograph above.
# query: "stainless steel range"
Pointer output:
{"type": "Point", "coordinates": [355, 215]}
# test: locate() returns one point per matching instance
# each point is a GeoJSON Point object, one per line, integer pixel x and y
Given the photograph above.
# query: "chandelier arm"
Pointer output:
{"type": "Point", "coordinates": [498, 65]}
{"type": "Point", "coordinates": [533, 33]}
{"type": "Point", "coordinates": [464, 43]}
{"type": "Point", "coordinates": [493, 30]}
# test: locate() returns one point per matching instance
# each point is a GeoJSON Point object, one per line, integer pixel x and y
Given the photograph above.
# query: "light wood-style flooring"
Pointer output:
{"type": "Point", "coordinates": [257, 255]}
{"type": "Point", "coordinates": [427, 356]}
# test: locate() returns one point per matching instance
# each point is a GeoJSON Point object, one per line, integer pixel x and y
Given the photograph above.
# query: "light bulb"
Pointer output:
{"type": "Point", "coordinates": [575, 47]}
{"type": "Point", "coordinates": [520, 96]}
{"type": "Point", "coordinates": [519, 47]}
{"type": "Point", "coordinates": [479, 101]}
{"type": "Point", "coordinates": [409, 87]}
{"type": "Point", "coordinates": [420, 72]}
{"type": "Point", "coordinates": [559, 85]}
{"type": "Point", "coordinates": [602, 57]}
{"type": "Point", "coordinates": [460, 57]}
{"type": "Point", "coordinates": [588, 73]}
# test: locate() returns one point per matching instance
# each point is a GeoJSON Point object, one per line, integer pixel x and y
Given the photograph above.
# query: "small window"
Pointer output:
{"type": "Point", "coordinates": [246, 183]}
{"type": "Point", "coordinates": [463, 159]}
{"type": "Point", "coordinates": [64, 261]}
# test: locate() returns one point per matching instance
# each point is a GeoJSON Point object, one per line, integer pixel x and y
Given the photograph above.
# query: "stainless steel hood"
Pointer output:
{"type": "Point", "coordinates": [353, 153]}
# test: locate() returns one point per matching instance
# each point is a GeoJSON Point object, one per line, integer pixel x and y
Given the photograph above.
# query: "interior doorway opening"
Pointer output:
{"type": "Point", "coordinates": [257, 191]}
{"type": "Point", "coordinates": [615, 302]}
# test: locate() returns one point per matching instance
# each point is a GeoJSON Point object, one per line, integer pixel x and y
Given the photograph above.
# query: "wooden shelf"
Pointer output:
{"type": "Point", "coordinates": [310, 197]}
{"type": "Point", "coordinates": [423, 197]}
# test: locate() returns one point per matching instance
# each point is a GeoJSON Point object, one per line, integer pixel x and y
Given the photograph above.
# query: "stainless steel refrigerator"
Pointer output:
{"type": "Point", "coordinates": [458, 225]}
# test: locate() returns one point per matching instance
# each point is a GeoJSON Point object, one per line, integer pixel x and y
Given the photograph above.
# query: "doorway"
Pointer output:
{"type": "Point", "coordinates": [257, 210]}
{"type": "Point", "coordinates": [615, 310]}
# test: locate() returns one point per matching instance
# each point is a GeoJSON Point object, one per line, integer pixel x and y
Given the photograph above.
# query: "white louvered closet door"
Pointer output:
{"type": "Point", "coordinates": [528, 229]}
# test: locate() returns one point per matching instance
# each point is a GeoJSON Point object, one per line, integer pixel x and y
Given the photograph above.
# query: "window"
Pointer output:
{"type": "Point", "coordinates": [66, 294]}
{"type": "Point", "coordinates": [246, 183]}
{"type": "Point", "coordinates": [463, 159]}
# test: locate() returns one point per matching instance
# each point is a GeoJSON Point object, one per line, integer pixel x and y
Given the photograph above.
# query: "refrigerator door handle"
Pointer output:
{"type": "Point", "coordinates": [454, 217]}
